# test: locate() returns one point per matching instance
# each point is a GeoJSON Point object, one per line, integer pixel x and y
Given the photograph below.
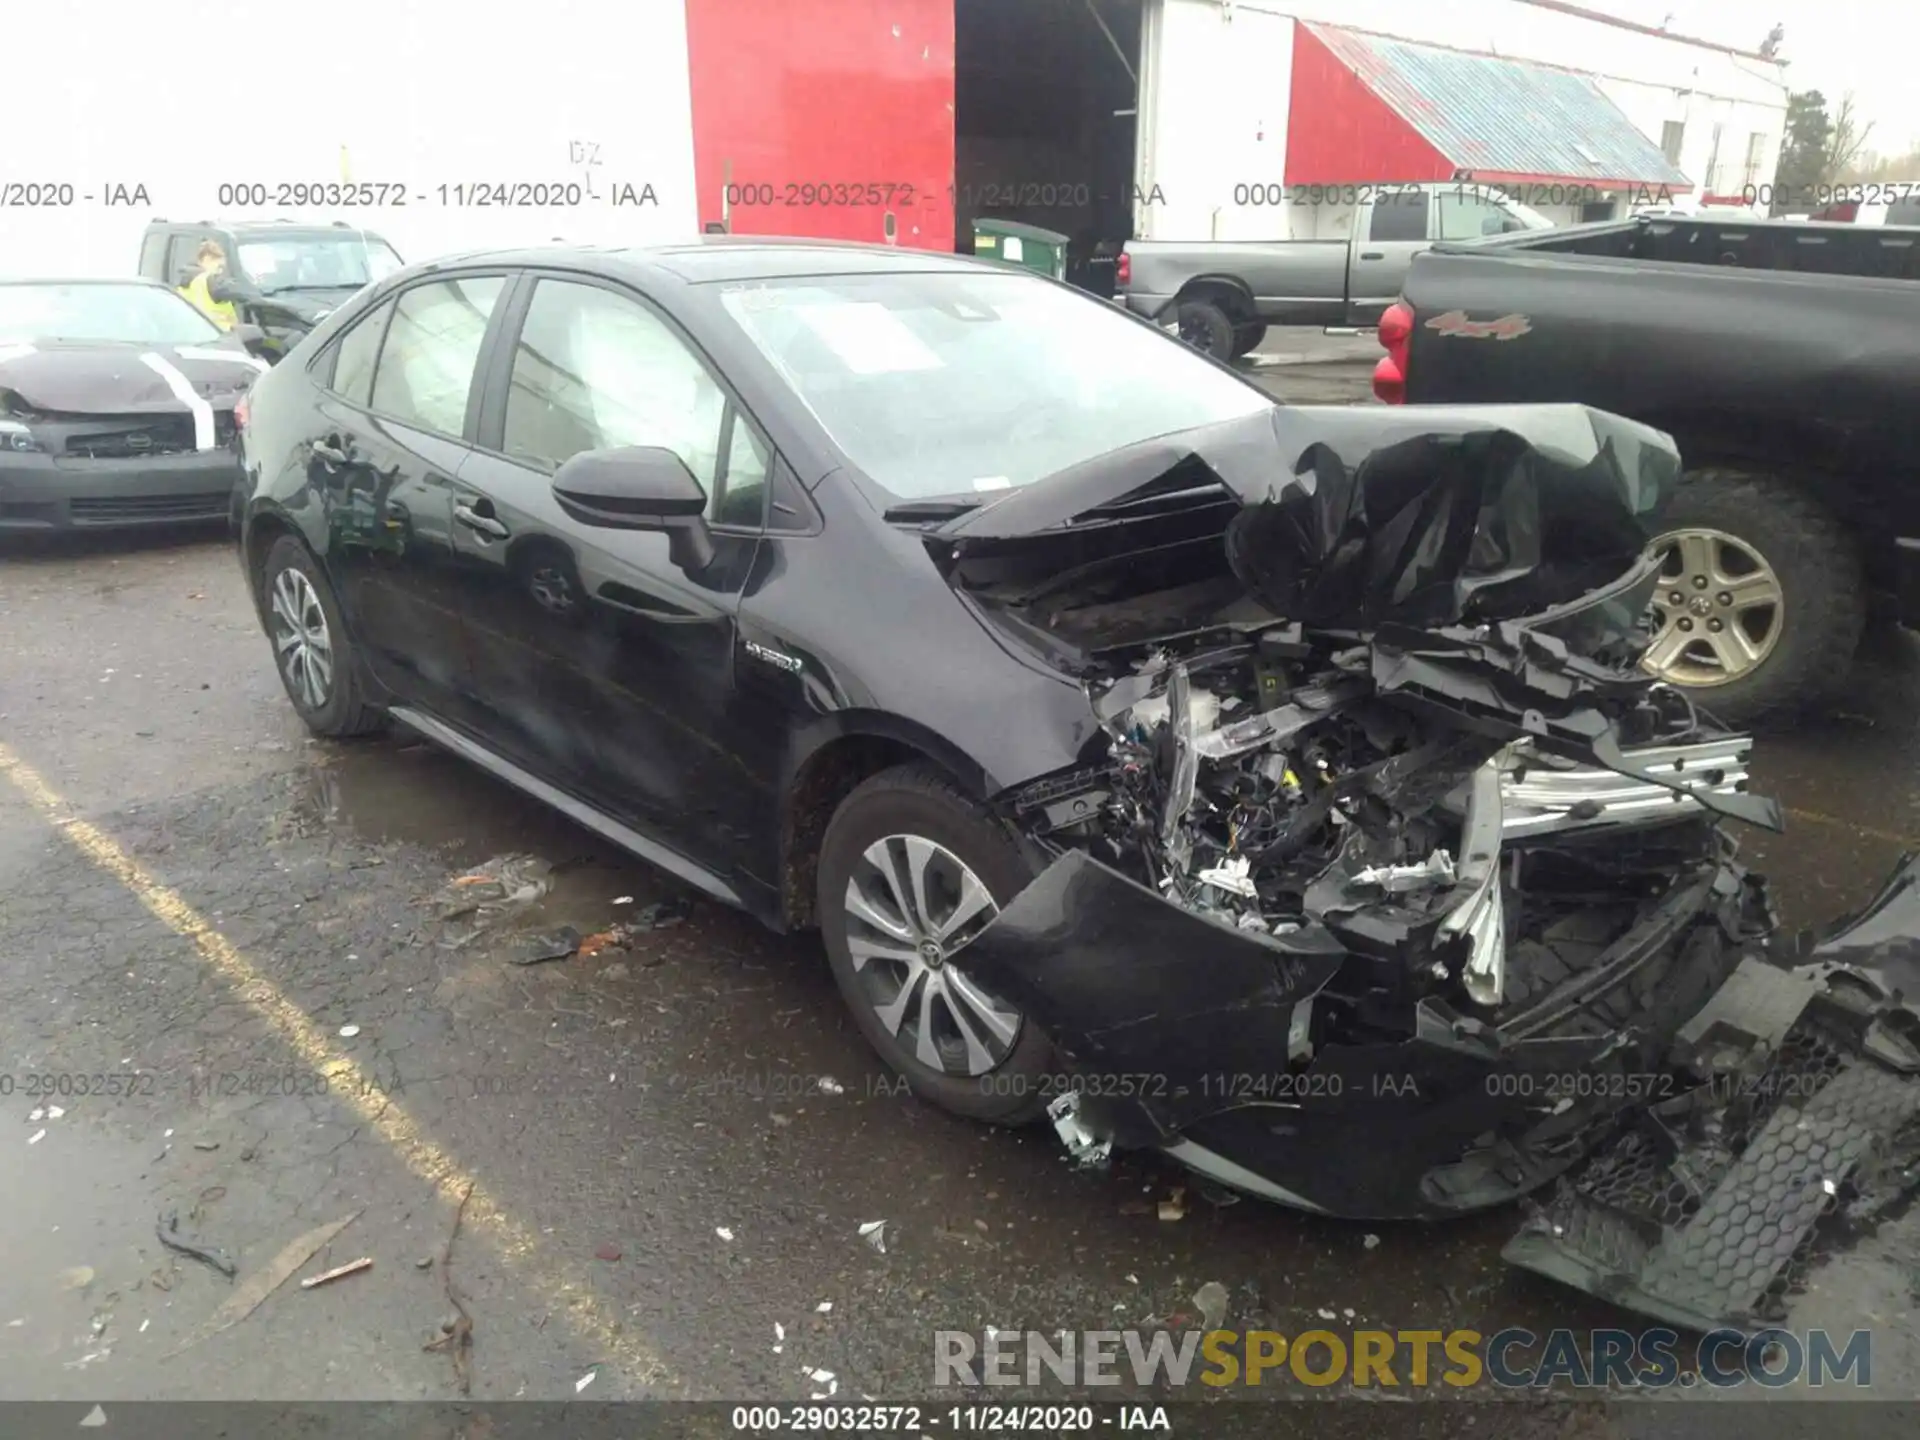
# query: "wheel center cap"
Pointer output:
{"type": "Point", "coordinates": [931, 953]}
{"type": "Point", "coordinates": [1700, 605]}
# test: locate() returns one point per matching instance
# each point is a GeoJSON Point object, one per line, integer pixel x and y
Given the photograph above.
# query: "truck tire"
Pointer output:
{"type": "Point", "coordinates": [1763, 599]}
{"type": "Point", "coordinates": [1247, 338]}
{"type": "Point", "coordinates": [1206, 327]}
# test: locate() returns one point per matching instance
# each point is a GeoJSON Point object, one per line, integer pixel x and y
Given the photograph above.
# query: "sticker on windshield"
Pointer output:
{"type": "Point", "coordinates": [993, 482]}
{"type": "Point", "coordinates": [869, 337]}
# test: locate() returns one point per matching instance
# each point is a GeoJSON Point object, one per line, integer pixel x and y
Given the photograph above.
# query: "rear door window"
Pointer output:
{"type": "Point", "coordinates": [426, 367]}
{"type": "Point", "coordinates": [1399, 215]}
{"type": "Point", "coordinates": [354, 356]}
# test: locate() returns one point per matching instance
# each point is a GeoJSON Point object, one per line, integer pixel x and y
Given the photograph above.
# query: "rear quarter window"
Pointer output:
{"type": "Point", "coordinates": [354, 356]}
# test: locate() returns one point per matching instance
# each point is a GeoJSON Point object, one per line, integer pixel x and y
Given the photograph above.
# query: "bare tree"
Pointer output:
{"type": "Point", "coordinates": [1845, 141]}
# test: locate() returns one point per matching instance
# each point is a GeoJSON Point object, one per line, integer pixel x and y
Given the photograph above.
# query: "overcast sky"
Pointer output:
{"type": "Point", "coordinates": [1835, 46]}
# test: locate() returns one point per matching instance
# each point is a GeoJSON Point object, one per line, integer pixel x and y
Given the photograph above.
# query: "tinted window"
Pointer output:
{"type": "Point", "coordinates": [1400, 216]}
{"type": "Point", "coordinates": [327, 262]}
{"type": "Point", "coordinates": [353, 357]}
{"type": "Point", "coordinates": [426, 365]}
{"type": "Point", "coordinates": [183, 258]}
{"type": "Point", "coordinates": [594, 370]}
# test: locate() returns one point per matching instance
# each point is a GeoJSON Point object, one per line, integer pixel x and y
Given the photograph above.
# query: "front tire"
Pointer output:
{"type": "Point", "coordinates": [910, 871]}
{"type": "Point", "coordinates": [1247, 338]}
{"type": "Point", "coordinates": [312, 652]}
{"type": "Point", "coordinates": [1762, 598]}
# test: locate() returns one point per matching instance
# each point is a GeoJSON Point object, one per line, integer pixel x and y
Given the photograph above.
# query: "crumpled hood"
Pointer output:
{"type": "Point", "coordinates": [83, 378]}
{"type": "Point", "coordinates": [1359, 515]}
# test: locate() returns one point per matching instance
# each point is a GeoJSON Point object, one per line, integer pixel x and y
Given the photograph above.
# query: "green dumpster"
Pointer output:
{"type": "Point", "coordinates": [1026, 246]}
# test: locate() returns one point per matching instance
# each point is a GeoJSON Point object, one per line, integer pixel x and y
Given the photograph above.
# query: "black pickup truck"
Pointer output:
{"type": "Point", "coordinates": [1783, 358]}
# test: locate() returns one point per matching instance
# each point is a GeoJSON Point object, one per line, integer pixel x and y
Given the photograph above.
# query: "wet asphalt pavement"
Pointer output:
{"type": "Point", "coordinates": [216, 920]}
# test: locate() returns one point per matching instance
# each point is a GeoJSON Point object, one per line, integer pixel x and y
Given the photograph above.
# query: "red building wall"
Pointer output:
{"type": "Point", "coordinates": [824, 94]}
{"type": "Point", "coordinates": [1340, 133]}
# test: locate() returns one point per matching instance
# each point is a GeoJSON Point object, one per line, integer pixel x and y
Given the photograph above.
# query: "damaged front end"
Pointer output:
{"type": "Point", "coordinates": [1394, 888]}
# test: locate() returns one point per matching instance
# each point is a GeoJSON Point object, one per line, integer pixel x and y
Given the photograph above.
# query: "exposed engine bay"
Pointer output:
{"type": "Point", "coordinates": [1391, 883]}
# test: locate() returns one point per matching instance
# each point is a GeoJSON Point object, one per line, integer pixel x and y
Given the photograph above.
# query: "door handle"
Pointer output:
{"type": "Point", "coordinates": [474, 520]}
{"type": "Point", "coordinates": [330, 450]}
{"type": "Point", "coordinates": [1372, 255]}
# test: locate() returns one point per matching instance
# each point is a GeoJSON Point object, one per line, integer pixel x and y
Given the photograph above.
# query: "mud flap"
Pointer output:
{"type": "Point", "coordinates": [1801, 1127]}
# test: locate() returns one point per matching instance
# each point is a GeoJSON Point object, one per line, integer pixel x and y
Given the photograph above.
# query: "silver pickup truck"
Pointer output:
{"type": "Point", "coordinates": [1223, 294]}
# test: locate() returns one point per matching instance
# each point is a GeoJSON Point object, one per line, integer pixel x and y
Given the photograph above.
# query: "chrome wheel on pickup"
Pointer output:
{"type": "Point", "coordinates": [1720, 605]}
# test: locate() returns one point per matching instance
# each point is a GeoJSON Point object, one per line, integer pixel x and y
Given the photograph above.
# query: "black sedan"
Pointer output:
{"type": "Point", "coordinates": [116, 406]}
{"type": "Point", "coordinates": [1274, 787]}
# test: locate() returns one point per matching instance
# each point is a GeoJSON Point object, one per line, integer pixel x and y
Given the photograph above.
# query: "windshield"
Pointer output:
{"type": "Point", "coordinates": [963, 384]}
{"type": "Point", "coordinates": [134, 314]}
{"type": "Point", "coordinates": [317, 262]}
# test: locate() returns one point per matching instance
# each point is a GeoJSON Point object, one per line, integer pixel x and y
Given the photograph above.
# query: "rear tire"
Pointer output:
{"type": "Point", "coordinates": [1247, 338]}
{"type": "Point", "coordinates": [916, 804]}
{"type": "Point", "coordinates": [1206, 327]}
{"type": "Point", "coordinates": [317, 662]}
{"type": "Point", "coordinates": [1822, 584]}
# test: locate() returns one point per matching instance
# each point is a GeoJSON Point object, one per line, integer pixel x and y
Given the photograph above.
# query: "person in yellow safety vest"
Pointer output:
{"type": "Point", "coordinates": [210, 290]}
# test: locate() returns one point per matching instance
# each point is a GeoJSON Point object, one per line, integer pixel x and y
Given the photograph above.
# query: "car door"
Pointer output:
{"type": "Point", "coordinates": [1389, 233]}
{"type": "Point", "coordinates": [389, 438]}
{"type": "Point", "coordinates": [605, 668]}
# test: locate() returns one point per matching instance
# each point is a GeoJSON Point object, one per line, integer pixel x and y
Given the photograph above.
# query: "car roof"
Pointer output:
{"type": "Point", "coordinates": [86, 280]}
{"type": "Point", "coordinates": [294, 229]}
{"type": "Point", "coordinates": [709, 259]}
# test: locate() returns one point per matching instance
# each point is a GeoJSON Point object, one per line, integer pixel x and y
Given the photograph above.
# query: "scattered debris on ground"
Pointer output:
{"type": "Point", "coordinates": [168, 1231]}
{"type": "Point", "coordinates": [723, 1232]}
{"type": "Point", "coordinates": [1372, 1242]}
{"type": "Point", "coordinates": [542, 948]}
{"type": "Point", "coordinates": [488, 892]}
{"type": "Point", "coordinates": [663, 914]}
{"type": "Point", "coordinates": [339, 1272]}
{"type": "Point", "coordinates": [1174, 1207]}
{"type": "Point", "coordinates": [586, 1380]}
{"type": "Point", "coordinates": [347, 1032]}
{"type": "Point", "coordinates": [874, 1232]}
{"type": "Point", "coordinates": [76, 1278]}
{"type": "Point", "coordinates": [831, 1086]}
{"type": "Point", "coordinates": [1211, 1301]}
{"type": "Point", "coordinates": [251, 1292]}
{"type": "Point", "coordinates": [608, 1253]}
{"type": "Point", "coordinates": [458, 1341]}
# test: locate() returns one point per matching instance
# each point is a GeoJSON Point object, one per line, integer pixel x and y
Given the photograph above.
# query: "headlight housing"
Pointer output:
{"type": "Point", "coordinates": [15, 436]}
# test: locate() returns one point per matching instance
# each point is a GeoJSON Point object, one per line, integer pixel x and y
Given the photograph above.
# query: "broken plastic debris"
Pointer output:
{"type": "Point", "coordinates": [77, 1278]}
{"type": "Point", "coordinates": [1372, 1242]}
{"type": "Point", "coordinates": [663, 914]}
{"type": "Point", "coordinates": [96, 1417]}
{"type": "Point", "coordinates": [54, 1112]}
{"type": "Point", "coordinates": [823, 1307]}
{"type": "Point", "coordinates": [36, 1137]}
{"type": "Point", "coordinates": [827, 1379]}
{"type": "Point", "coordinates": [623, 899]}
{"type": "Point", "coordinates": [503, 883]}
{"type": "Point", "coordinates": [1174, 1208]}
{"type": "Point", "coordinates": [874, 1232]}
{"type": "Point", "coordinates": [1211, 1301]}
{"type": "Point", "coordinates": [1326, 1315]}
{"type": "Point", "coordinates": [347, 1032]}
{"type": "Point", "coordinates": [339, 1272]}
{"type": "Point", "coordinates": [723, 1232]}
{"type": "Point", "coordinates": [1829, 1187]}
{"type": "Point", "coordinates": [831, 1086]}
{"type": "Point", "coordinates": [37, 1114]}
{"type": "Point", "coordinates": [541, 948]}
{"type": "Point", "coordinates": [585, 1380]}
{"type": "Point", "coordinates": [1233, 876]}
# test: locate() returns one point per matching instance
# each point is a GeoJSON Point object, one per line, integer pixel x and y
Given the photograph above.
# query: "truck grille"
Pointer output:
{"type": "Point", "coordinates": [119, 509]}
{"type": "Point", "coordinates": [135, 437]}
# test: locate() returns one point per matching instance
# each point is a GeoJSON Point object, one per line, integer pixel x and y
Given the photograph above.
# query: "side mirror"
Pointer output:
{"type": "Point", "coordinates": [639, 487]}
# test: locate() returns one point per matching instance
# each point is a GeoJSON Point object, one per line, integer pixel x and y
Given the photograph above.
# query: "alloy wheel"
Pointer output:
{"type": "Point", "coordinates": [551, 589]}
{"type": "Point", "coordinates": [1720, 608]}
{"type": "Point", "coordinates": [301, 638]}
{"type": "Point", "coordinates": [911, 906]}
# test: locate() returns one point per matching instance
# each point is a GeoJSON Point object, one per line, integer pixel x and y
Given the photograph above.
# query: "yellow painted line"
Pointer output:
{"type": "Point", "coordinates": [1910, 842]}
{"type": "Point", "coordinates": [564, 1288]}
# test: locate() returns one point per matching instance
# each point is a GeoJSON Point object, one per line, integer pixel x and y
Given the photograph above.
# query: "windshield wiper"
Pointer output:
{"type": "Point", "coordinates": [929, 509]}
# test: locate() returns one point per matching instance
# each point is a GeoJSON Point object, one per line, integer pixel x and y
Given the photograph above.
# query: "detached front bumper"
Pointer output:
{"type": "Point", "coordinates": [40, 492]}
